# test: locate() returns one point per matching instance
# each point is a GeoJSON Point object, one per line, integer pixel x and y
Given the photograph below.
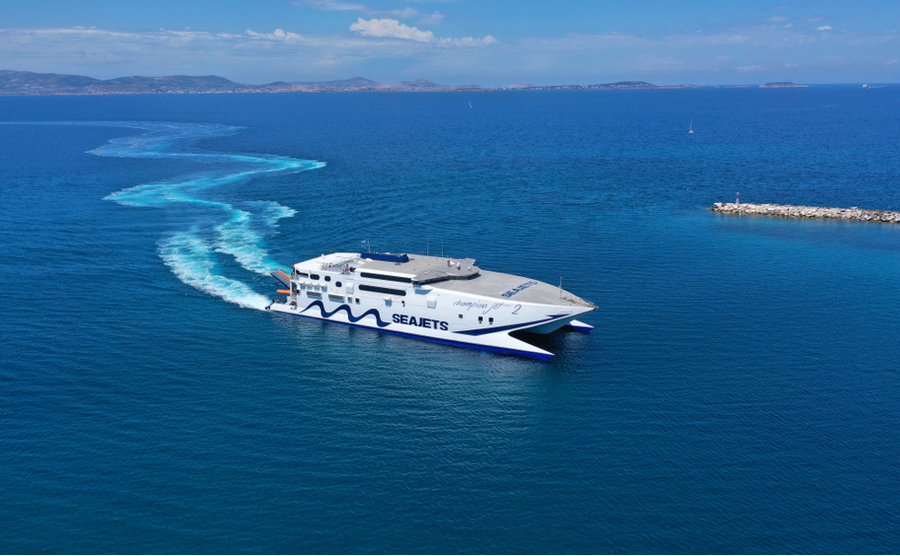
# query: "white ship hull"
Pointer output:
{"type": "Point", "coordinates": [416, 298]}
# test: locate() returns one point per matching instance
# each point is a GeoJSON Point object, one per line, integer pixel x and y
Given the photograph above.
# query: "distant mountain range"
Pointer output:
{"type": "Point", "coordinates": [29, 83]}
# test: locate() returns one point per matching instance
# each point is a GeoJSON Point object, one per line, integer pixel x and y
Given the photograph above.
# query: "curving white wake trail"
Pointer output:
{"type": "Point", "coordinates": [192, 254]}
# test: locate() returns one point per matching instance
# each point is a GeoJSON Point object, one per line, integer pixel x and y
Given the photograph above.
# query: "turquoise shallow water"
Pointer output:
{"type": "Point", "coordinates": [739, 392]}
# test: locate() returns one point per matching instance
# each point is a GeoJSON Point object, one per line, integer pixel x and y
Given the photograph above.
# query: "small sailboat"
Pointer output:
{"type": "Point", "coordinates": [691, 129]}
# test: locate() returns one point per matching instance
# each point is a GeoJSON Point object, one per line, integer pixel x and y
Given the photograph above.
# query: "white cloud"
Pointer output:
{"type": "Point", "coordinates": [824, 28]}
{"type": "Point", "coordinates": [433, 18]}
{"type": "Point", "coordinates": [279, 35]}
{"type": "Point", "coordinates": [391, 28]}
{"type": "Point", "coordinates": [470, 41]}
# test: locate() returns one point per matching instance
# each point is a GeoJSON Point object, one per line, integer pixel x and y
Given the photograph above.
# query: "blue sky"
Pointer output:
{"type": "Point", "coordinates": [494, 43]}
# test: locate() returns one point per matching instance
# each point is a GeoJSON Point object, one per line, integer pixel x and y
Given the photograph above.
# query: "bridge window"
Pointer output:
{"type": "Point", "coordinates": [376, 289]}
{"type": "Point", "coordinates": [387, 277]}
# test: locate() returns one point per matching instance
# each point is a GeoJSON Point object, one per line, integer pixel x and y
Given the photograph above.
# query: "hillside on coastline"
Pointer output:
{"type": "Point", "coordinates": [30, 83]}
{"type": "Point", "coordinates": [778, 84]}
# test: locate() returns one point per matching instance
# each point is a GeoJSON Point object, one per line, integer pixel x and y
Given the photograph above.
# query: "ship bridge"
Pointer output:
{"type": "Point", "coordinates": [418, 269]}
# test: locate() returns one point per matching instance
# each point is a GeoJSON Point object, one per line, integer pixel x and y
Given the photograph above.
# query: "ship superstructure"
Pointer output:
{"type": "Point", "coordinates": [440, 299]}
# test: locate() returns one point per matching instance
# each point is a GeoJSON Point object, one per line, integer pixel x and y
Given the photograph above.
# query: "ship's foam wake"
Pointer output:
{"type": "Point", "coordinates": [218, 228]}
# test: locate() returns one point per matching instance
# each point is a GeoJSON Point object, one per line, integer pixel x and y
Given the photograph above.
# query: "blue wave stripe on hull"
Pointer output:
{"type": "Point", "coordinates": [346, 309]}
{"type": "Point", "coordinates": [469, 345]}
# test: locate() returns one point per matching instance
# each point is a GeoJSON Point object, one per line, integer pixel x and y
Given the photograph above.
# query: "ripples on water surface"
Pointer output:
{"type": "Point", "coordinates": [739, 392]}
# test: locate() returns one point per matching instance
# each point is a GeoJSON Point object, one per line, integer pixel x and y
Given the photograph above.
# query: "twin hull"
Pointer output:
{"type": "Point", "coordinates": [423, 311]}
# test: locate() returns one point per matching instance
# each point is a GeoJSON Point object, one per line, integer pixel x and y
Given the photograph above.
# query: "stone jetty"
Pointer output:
{"type": "Point", "coordinates": [851, 213]}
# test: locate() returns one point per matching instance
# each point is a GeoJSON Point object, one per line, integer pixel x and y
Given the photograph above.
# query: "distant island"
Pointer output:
{"type": "Point", "coordinates": [782, 84]}
{"type": "Point", "coordinates": [29, 83]}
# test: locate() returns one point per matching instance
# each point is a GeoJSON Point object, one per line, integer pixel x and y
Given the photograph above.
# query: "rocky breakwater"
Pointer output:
{"type": "Point", "coordinates": [852, 213]}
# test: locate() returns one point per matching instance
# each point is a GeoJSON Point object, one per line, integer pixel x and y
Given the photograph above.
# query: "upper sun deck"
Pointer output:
{"type": "Point", "coordinates": [418, 269]}
{"type": "Point", "coordinates": [443, 273]}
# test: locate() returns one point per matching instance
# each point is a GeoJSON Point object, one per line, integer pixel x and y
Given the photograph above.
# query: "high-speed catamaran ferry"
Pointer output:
{"type": "Point", "coordinates": [439, 299]}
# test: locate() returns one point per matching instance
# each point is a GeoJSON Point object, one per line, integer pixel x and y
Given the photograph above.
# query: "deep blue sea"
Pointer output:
{"type": "Point", "coordinates": [739, 394]}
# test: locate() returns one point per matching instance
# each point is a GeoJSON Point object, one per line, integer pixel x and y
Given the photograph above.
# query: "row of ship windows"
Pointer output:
{"type": "Point", "coordinates": [363, 287]}
{"type": "Point", "coordinates": [372, 275]}
{"type": "Point", "coordinates": [331, 297]}
{"type": "Point", "coordinates": [316, 277]}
